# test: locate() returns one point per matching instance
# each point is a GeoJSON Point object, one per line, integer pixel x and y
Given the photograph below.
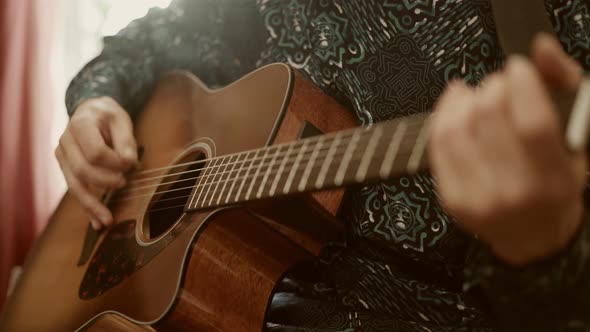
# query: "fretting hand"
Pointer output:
{"type": "Point", "coordinates": [94, 152]}
{"type": "Point", "coordinates": [499, 156]}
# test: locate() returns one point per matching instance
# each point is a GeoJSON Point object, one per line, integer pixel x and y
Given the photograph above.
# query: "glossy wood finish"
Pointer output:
{"type": "Point", "coordinates": [308, 220]}
{"type": "Point", "coordinates": [309, 103]}
{"type": "Point", "coordinates": [215, 290]}
{"type": "Point", "coordinates": [231, 274]}
{"type": "Point", "coordinates": [355, 156]}
{"type": "Point", "coordinates": [181, 111]}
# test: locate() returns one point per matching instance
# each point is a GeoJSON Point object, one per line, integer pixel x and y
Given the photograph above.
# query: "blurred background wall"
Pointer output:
{"type": "Point", "coordinates": [42, 46]}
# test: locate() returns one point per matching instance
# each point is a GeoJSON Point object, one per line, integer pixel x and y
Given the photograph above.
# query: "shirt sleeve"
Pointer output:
{"type": "Point", "coordinates": [571, 22]}
{"type": "Point", "coordinates": [218, 40]}
{"type": "Point", "coordinates": [552, 295]}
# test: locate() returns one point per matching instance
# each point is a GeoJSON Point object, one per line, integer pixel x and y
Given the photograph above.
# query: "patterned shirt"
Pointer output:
{"type": "Point", "coordinates": [406, 265]}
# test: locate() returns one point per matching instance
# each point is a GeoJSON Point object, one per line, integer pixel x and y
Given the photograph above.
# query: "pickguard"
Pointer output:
{"type": "Point", "coordinates": [119, 256]}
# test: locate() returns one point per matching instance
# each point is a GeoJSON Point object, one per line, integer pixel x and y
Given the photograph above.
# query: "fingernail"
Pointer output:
{"type": "Point", "coordinates": [129, 153]}
{"type": "Point", "coordinates": [96, 225]}
{"type": "Point", "coordinates": [106, 220]}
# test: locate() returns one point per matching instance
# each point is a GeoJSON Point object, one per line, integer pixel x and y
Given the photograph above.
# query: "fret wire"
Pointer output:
{"type": "Point", "coordinates": [327, 162]}
{"type": "Point", "coordinates": [418, 118]}
{"type": "Point", "coordinates": [149, 195]}
{"type": "Point", "coordinates": [207, 185]}
{"type": "Point", "coordinates": [237, 162]}
{"type": "Point", "coordinates": [237, 155]}
{"type": "Point", "coordinates": [217, 185]}
{"type": "Point", "coordinates": [287, 155]}
{"type": "Point", "coordinates": [246, 176]}
{"type": "Point", "coordinates": [392, 150]}
{"type": "Point", "coordinates": [216, 180]}
{"type": "Point", "coordinates": [276, 147]}
{"type": "Point", "coordinates": [207, 170]}
{"type": "Point", "coordinates": [346, 159]}
{"type": "Point", "coordinates": [333, 184]}
{"type": "Point", "coordinates": [329, 135]}
{"type": "Point", "coordinates": [258, 168]}
{"type": "Point", "coordinates": [267, 173]}
{"type": "Point", "coordinates": [227, 198]}
{"type": "Point", "coordinates": [310, 163]}
{"type": "Point", "coordinates": [194, 199]}
{"type": "Point", "coordinates": [281, 169]}
{"type": "Point", "coordinates": [294, 169]}
{"type": "Point", "coordinates": [419, 148]}
{"type": "Point", "coordinates": [225, 183]}
{"type": "Point", "coordinates": [368, 155]}
{"type": "Point", "coordinates": [286, 160]}
{"type": "Point", "coordinates": [207, 161]}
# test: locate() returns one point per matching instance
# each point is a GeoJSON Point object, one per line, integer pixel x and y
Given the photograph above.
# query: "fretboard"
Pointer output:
{"type": "Point", "coordinates": [355, 156]}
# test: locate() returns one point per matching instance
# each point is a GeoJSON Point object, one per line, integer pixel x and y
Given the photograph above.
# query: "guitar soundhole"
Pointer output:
{"type": "Point", "coordinates": [175, 189]}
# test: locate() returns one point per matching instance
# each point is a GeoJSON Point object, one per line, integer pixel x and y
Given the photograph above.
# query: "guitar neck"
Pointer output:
{"type": "Point", "coordinates": [355, 156]}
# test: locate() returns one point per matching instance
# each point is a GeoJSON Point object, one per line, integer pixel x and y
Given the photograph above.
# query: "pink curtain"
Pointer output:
{"type": "Point", "coordinates": [26, 110]}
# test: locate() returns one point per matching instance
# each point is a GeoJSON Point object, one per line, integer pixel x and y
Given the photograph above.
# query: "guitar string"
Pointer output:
{"type": "Point", "coordinates": [269, 156]}
{"type": "Point", "coordinates": [286, 160]}
{"type": "Point", "coordinates": [227, 180]}
{"type": "Point", "coordinates": [256, 177]}
{"type": "Point", "coordinates": [205, 198]}
{"type": "Point", "coordinates": [293, 188]}
{"type": "Point", "coordinates": [289, 162]}
{"type": "Point", "coordinates": [125, 198]}
{"type": "Point", "coordinates": [235, 177]}
{"type": "Point", "coordinates": [292, 146]}
{"type": "Point", "coordinates": [402, 152]}
{"type": "Point", "coordinates": [409, 121]}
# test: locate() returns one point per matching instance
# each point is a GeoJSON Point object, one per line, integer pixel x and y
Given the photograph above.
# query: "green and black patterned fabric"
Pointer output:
{"type": "Point", "coordinates": [406, 265]}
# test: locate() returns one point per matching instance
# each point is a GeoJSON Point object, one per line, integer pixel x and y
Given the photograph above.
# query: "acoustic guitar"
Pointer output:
{"type": "Point", "coordinates": [234, 187]}
{"type": "Point", "coordinates": [217, 210]}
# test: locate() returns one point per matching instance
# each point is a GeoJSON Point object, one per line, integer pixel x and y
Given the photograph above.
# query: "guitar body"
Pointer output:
{"type": "Point", "coordinates": [213, 270]}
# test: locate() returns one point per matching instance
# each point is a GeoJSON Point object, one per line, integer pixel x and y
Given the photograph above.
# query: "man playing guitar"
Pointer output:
{"type": "Point", "coordinates": [503, 240]}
